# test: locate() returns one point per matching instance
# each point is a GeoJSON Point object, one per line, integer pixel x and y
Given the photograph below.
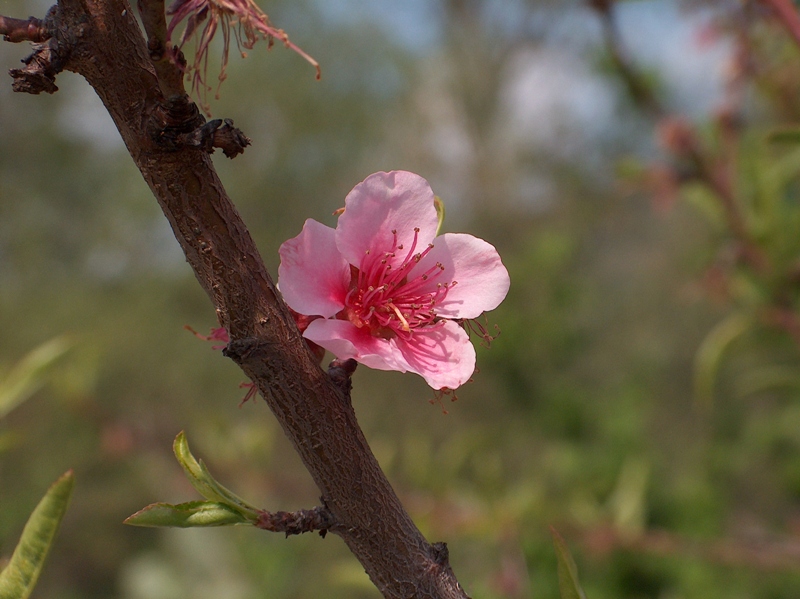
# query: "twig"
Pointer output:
{"type": "Point", "coordinates": [787, 15]}
{"type": "Point", "coordinates": [23, 30]}
{"type": "Point", "coordinates": [294, 523]}
{"type": "Point", "coordinates": [170, 75]}
{"type": "Point", "coordinates": [681, 138]}
{"type": "Point", "coordinates": [639, 90]}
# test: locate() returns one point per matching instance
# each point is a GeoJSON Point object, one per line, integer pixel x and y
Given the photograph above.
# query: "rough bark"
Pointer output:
{"type": "Point", "coordinates": [100, 40]}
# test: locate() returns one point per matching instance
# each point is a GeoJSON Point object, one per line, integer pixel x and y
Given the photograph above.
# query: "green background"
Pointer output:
{"type": "Point", "coordinates": [583, 414]}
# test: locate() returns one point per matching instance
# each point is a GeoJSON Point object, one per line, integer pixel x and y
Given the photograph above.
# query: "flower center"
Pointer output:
{"type": "Point", "coordinates": [384, 299]}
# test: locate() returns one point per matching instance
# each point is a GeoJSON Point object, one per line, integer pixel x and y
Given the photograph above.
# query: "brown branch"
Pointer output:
{"type": "Point", "coordinates": [40, 70]}
{"type": "Point", "coordinates": [296, 523]}
{"type": "Point", "coordinates": [680, 138]}
{"type": "Point", "coordinates": [23, 30]}
{"type": "Point", "coordinates": [639, 90]}
{"type": "Point", "coordinates": [312, 409]}
{"type": "Point", "coordinates": [170, 74]}
{"type": "Point", "coordinates": [787, 15]}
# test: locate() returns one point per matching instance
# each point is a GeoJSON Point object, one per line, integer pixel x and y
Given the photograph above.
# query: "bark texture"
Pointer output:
{"type": "Point", "coordinates": [100, 40]}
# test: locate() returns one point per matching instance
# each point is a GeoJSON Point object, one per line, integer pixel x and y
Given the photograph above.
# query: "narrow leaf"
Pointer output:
{"type": "Point", "coordinates": [709, 355]}
{"type": "Point", "coordinates": [20, 575]}
{"type": "Point", "coordinates": [439, 205]}
{"type": "Point", "coordinates": [567, 570]}
{"type": "Point", "coordinates": [26, 377]}
{"type": "Point", "coordinates": [204, 483]}
{"type": "Point", "coordinates": [187, 515]}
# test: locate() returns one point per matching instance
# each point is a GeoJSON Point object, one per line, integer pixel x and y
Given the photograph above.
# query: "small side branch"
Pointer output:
{"type": "Point", "coordinates": [218, 133]}
{"type": "Point", "coordinates": [178, 124]}
{"type": "Point", "coordinates": [787, 15]}
{"type": "Point", "coordinates": [341, 372]}
{"type": "Point", "coordinates": [48, 58]}
{"type": "Point", "coordinates": [168, 63]}
{"type": "Point", "coordinates": [23, 30]}
{"type": "Point", "coordinates": [637, 87]}
{"type": "Point", "coordinates": [294, 523]}
{"type": "Point", "coordinates": [40, 70]}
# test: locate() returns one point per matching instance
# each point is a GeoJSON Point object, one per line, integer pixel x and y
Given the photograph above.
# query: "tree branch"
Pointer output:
{"type": "Point", "coordinates": [170, 74]}
{"type": "Point", "coordinates": [21, 30]}
{"type": "Point", "coordinates": [312, 409]}
{"type": "Point", "coordinates": [296, 523]}
{"type": "Point", "coordinates": [787, 15]}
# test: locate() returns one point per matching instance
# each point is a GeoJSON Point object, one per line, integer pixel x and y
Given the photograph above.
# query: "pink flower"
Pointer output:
{"type": "Point", "coordinates": [388, 292]}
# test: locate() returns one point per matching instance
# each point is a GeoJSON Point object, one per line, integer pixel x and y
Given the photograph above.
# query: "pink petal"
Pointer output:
{"type": "Point", "coordinates": [313, 276]}
{"type": "Point", "coordinates": [381, 203]}
{"type": "Point", "coordinates": [443, 356]}
{"type": "Point", "coordinates": [481, 279]}
{"type": "Point", "coordinates": [344, 340]}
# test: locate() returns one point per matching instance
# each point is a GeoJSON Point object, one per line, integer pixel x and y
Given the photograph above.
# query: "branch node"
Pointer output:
{"type": "Point", "coordinates": [239, 350]}
{"type": "Point", "coordinates": [340, 372]}
{"type": "Point", "coordinates": [40, 70]}
{"type": "Point", "coordinates": [441, 554]}
{"type": "Point", "coordinates": [178, 124]}
{"type": "Point", "coordinates": [218, 133]}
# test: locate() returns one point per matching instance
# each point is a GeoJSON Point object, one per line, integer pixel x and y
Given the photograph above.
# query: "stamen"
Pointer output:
{"type": "Point", "coordinates": [385, 300]}
{"type": "Point", "coordinates": [400, 317]}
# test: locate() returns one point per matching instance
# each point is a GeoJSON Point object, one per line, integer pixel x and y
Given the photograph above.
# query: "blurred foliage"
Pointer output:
{"type": "Point", "coordinates": [567, 570]}
{"type": "Point", "coordinates": [18, 577]}
{"type": "Point", "coordinates": [583, 415]}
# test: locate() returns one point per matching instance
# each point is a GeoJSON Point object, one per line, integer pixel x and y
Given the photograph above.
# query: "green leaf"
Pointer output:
{"type": "Point", "coordinates": [187, 515]}
{"type": "Point", "coordinates": [628, 502]}
{"type": "Point", "coordinates": [706, 202]}
{"type": "Point", "coordinates": [439, 204]}
{"type": "Point", "coordinates": [709, 355]}
{"type": "Point", "coordinates": [567, 570]}
{"type": "Point", "coordinates": [26, 377]}
{"type": "Point", "coordinates": [205, 484]}
{"type": "Point", "coordinates": [20, 575]}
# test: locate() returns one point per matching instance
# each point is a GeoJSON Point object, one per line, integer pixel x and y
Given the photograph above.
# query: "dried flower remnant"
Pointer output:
{"type": "Point", "coordinates": [387, 292]}
{"type": "Point", "coordinates": [216, 334]}
{"type": "Point", "coordinates": [221, 334]}
{"type": "Point", "coordinates": [242, 18]}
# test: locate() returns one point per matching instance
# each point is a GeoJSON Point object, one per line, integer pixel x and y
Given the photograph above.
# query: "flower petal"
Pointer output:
{"type": "Point", "coordinates": [313, 276]}
{"type": "Point", "coordinates": [443, 355]}
{"type": "Point", "coordinates": [383, 202]}
{"type": "Point", "coordinates": [482, 281]}
{"type": "Point", "coordinates": [344, 340]}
